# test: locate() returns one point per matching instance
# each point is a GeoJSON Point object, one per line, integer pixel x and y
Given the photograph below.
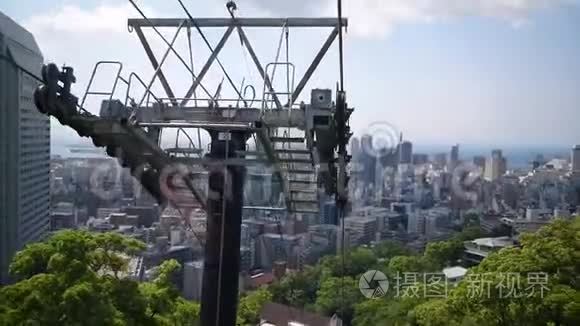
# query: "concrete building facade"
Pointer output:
{"type": "Point", "coordinates": [24, 145]}
{"type": "Point", "coordinates": [495, 166]}
{"type": "Point", "coordinates": [575, 166]}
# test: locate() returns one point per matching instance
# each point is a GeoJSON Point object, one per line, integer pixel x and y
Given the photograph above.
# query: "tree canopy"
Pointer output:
{"type": "Point", "coordinates": [250, 305]}
{"type": "Point", "coordinates": [81, 278]}
{"type": "Point", "coordinates": [553, 252]}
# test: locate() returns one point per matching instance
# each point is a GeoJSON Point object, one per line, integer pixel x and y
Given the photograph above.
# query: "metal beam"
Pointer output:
{"type": "Point", "coordinates": [244, 22]}
{"type": "Point", "coordinates": [265, 77]}
{"type": "Point", "coordinates": [216, 163]}
{"type": "Point", "coordinates": [294, 118]}
{"type": "Point", "coordinates": [223, 126]}
{"type": "Point", "coordinates": [207, 65]}
{"type": "Point", "coordinates": [155, 64]}
{"type": "Point", "coordinates": [314, 65]}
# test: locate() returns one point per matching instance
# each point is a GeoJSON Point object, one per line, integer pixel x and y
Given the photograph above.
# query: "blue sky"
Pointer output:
{"type": "Point", "coordinates": [485, 72]}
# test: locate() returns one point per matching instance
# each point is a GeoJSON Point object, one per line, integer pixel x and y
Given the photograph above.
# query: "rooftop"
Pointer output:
{"type": "Point", "coordinates": [281, 315]}
{"type": "Point", "coordinates": [261, 279]}
{"type": "Point", "coordinates": [454, 272]}
{"type": "Point", "coordinates": [499, 242]}
{"type": "Point", "coordinates": [21, 45]}
{"type": "Point", "coordinates": [361, 219]}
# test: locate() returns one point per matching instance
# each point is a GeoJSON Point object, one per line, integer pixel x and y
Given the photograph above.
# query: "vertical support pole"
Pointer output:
{"type": "Point", "coordinates": [224, 218]}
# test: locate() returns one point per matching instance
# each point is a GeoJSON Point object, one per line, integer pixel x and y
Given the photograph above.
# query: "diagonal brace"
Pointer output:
{"type": "Point", "coordinates": [155, 65]}
{"type": "Point", "coordinates": [314, 65]}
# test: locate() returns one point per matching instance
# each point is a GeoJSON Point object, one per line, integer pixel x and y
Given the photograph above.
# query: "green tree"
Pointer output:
{"type": "Point", "coordinates": [386, 311]}
{"type": "Point", "coordinates": [405, 264]}
{"type": "Point", "coordinates": [356, 262]}
{"type": "Point", "coordinates": [338, 295]}
{"type": "Point", "coordinates": [553, 251]}
{"type": "Point", "coordinates": [443, 253]}
{"type": "Point", "coordinates": [250, 305]}
{"type": "Point", "coordinates": [78, 278]}
{"type": "Point", "coordinates": [297, 289]}
{"type": "Point", "coordinates": [469, 233]}
{"type": "Point", "coordinates": [390, 249]}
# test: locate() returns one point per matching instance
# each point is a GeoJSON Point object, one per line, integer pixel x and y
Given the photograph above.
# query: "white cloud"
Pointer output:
{"type": "Point", "coordinates": [376, 18]}
{"type": "Point", "coordinates": [72, 19]}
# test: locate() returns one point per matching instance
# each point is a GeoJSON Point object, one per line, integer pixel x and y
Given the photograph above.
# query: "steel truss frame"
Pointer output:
{"type": "Point", "coordinates": [238, 24]}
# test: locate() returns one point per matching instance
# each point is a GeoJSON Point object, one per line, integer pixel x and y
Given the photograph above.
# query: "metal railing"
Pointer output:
{"type": "Point", "coordinates": [117, 77]}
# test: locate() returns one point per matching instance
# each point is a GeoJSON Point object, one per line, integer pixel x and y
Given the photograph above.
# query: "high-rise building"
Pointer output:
{"type": "Point", "coordinates": [479, 161]}
{"type": "Point", "coordinates": [192, 280]}
{"type": "Point", "coordinates": [355, 147]}
{"type": "Point", "coordinates": [440, 159]}
{"type": "Point", "coordinates": [454, 157]}
{"type": "Point", "coordinates": [328, 213]}
{"type": "Point", "coordinates": [419, 159]}
{"type": "Point", "coordinates": [416, 223]}
{"type": "Point", "coordinates": [378, 213]}
{"type": "Point", "coordinates": [24, 145]}
{"type": "Point", "coordinates": [406, 153]}
{"type": "Point", "coordinates": [576, 159]}
{"type": "Point", "coordinates": [495, 166]}
{"type": "Point", "coordinates": [367, 160]}
{"type": "Point", "coordinates": [363, 227]}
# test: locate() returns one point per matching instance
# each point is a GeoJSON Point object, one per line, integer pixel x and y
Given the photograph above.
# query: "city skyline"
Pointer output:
{"type": "Point", "coordinates": [482, 73]}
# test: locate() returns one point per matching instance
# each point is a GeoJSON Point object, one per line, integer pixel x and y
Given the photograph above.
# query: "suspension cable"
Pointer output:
{"type": "Point", "coordinates": [38, 79]}
{"type": "Point", "coordinates": [209, 47]}
{"type": "Point", "coordinates": [288, 67]}
{"type": "Point", "coordinates": [249, 73]}
{"type": "Point", "coordinates": [193, 81]}
{"type": "Point", "coordinates": [341, 153]}
{"type": "Point", "coordinates": [340, 56]}
{"type": "Point", "coordinates": [26, 71]}
{"type": "Point", "coordinates": [188, 224]}
{"type": "Point", "coordinates": [278, 51]}
{"type": "Point", "coordinates": [191, 62]}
